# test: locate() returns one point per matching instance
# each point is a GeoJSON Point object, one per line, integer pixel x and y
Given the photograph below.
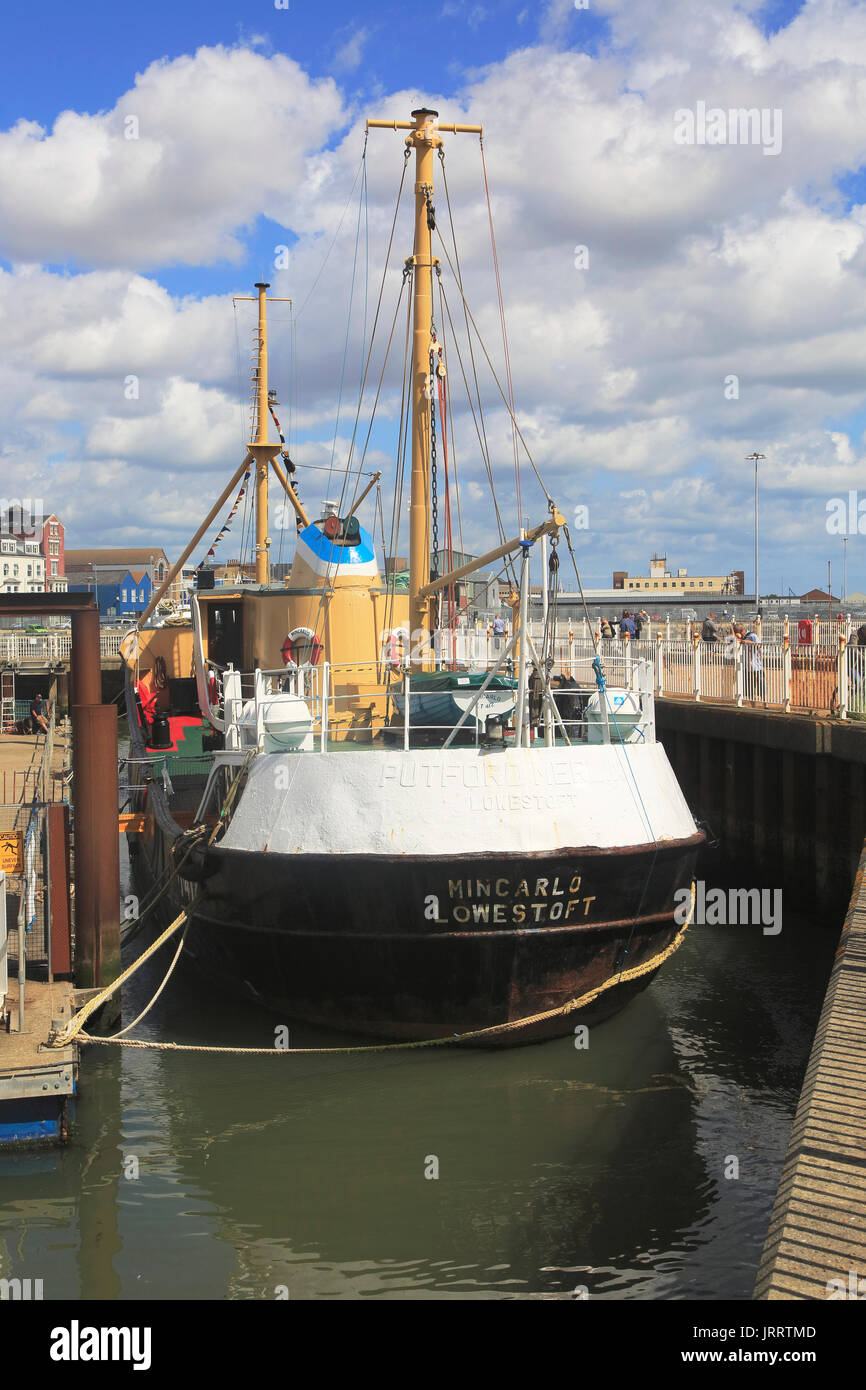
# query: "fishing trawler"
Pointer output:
{"type": "Point", "coordinates": [369, 833]}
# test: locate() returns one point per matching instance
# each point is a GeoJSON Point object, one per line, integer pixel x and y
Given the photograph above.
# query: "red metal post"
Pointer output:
{"type": "Point", "coordinates": [85, 675]}
{"type": "Point", "coordinates": [97, 847]}
{"type": "Point", "coordinates": [58, 889]}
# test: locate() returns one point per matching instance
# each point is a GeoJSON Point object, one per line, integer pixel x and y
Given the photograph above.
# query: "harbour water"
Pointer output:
{"type": "Point", "coordinates": [608, 1168]}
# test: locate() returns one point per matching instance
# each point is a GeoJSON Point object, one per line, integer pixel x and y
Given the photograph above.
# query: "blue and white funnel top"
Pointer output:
{"type": "Point", "coordinates": [324, 555]}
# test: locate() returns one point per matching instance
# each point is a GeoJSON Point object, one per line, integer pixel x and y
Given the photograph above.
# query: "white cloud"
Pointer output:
{"type": "Point", "coordinates": [219, 137]}
{"type": "Point", "coordinates": [349, 54]}
{"type": "Point", "coordinates": [703, 262]}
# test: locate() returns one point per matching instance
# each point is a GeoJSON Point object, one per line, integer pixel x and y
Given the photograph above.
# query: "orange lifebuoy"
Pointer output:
{"type": "Point", "coordinates": [302, 637]}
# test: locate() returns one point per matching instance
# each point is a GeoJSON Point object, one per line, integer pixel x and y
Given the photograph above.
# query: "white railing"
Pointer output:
{"type": "Point", "coordinates": [827, 678]}
{"type": "Point", "coordinates": [823, 678]}
{"type": "Point", "coordinates": [820, 630]}
{"type": "Point", "coordinates": [626, 713]}
{"type": "Point", "coordinates": [50, 647]}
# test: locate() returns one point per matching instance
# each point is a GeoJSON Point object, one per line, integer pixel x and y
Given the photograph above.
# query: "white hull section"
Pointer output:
{"type": "Point", "coordinates": [458, 801]}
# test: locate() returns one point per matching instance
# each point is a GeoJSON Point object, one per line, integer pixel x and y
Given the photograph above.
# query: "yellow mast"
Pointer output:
{"type": "Point", "coordinates": [260, 449]}
{"type": "Point", "coordinates": [426, 139]}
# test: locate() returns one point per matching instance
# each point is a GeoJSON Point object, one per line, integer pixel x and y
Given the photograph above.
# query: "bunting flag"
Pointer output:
{"type": "Point", "coordinates": [227, 524]}
{"type": "Point", "coordinates": [294, 485]}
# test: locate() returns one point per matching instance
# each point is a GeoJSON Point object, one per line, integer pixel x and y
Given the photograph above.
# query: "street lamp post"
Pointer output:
{"type": "Point", "coordinates": [756, 459]}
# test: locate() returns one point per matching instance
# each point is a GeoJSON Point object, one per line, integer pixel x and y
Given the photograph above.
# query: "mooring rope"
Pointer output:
{"type": "Point", "coordinates": [457, 1039]}
{"type": "Point", "coordinates": [75, 1025]}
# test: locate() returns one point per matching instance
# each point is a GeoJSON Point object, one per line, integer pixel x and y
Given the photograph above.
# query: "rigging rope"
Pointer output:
{"type": "Point", "coordinates": [399, 481]}
{"type": "Point", "coordinates": [290, 470]}
{"type": "Point", "coordinates": [321, 270]}
{"type": "Point", "coordinates": [451, 422]}
{"type": "Point", "coordinates": [511, 414]}
{"type": "Point", "coordinates": [349, 319]}
{"type": "Point", "coordinates": [482, 431]}
{"type": "Point", "coordinates": [504, 333]}
{"type": "Point", "coordinates": [482, 441]}
{"type": "Point", "coordinates": [331, 561]}
{"type": "Point", "coordinates": [227, 526]}
{"type": "Point", "coordinates": [451, 620]}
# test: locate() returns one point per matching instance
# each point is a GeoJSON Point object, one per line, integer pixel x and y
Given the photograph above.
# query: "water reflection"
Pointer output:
{"type": "Point", "coordinates": [557, 1167]}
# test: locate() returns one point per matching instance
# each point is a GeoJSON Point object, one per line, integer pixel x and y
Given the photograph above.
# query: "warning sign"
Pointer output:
{"type": "Point", "coordinates": [12, 851]}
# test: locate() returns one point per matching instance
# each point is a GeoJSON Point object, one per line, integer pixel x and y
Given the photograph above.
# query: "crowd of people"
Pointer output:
{"type": "Point", "coordinates": [630, 625]}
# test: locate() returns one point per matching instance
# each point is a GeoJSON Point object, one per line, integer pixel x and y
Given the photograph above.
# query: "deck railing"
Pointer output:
{"type": "Point", "coordinates": [823, 678]}
{"type": "Point", "coordinates": [826, 676]}
{"type": "Point", "coordinates": [818, 678]}
{"type": "Point", "coordinates": [50, 647]}
{"type": "Point", "coordinates": [340, 713]}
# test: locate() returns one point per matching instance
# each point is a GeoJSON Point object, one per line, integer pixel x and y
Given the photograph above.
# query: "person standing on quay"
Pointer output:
{"type": "Point", "coordinates": [498, 635]}
{"type": "Point", "coordinates": [755, 674]}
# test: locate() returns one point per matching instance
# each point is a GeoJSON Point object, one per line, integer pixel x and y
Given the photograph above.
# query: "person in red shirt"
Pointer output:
{"type": "Point", "coordinates": [153, 690]}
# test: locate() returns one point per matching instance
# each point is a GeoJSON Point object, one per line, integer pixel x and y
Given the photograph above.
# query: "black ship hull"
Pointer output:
{"type": "Point", "coordinates": [411, 948]}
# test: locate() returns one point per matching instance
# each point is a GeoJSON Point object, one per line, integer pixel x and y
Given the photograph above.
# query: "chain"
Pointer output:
{"type": "Point", "coordinates": [549, 640]}
{"type": "Point", "coordinates": [433, 485]}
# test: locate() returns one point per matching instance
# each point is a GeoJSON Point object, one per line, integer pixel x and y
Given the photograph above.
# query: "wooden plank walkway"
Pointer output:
{"type": "Point", "coordinates": [36, 1084]}
{"type": "Point", "coordinates": [817, 1230]}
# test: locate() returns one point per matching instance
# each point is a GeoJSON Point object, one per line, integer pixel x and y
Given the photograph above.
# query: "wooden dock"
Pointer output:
{"type": "Point", "coordinates": [816, 1244]}
{"type": "Point", "coordinates": [37, 1085]}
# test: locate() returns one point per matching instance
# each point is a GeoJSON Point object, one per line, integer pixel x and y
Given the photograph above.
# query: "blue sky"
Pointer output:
{"type": "Point", "coordinates": [60, 54]}
{"type": "Point", "coordinates": [704, 263]}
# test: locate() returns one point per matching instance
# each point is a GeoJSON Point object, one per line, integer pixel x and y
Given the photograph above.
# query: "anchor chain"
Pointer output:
{"type": "Point", "coordinates": [434, 499]}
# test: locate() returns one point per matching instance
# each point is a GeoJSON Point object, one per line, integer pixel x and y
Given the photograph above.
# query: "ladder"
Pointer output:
{"type": "Point", "coordinates": [7, 702]}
